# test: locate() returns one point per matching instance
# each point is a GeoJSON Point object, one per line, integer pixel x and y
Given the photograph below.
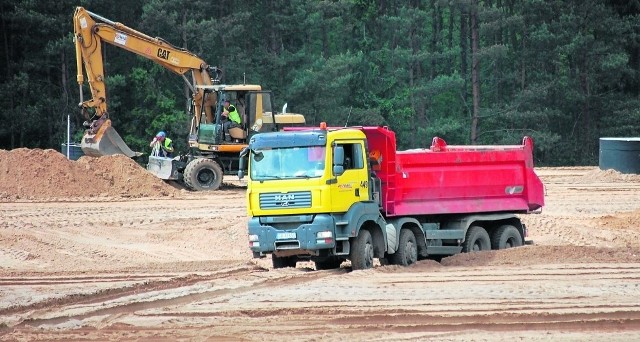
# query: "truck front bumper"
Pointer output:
{"type": "Point", "coordinates": [292, 234]}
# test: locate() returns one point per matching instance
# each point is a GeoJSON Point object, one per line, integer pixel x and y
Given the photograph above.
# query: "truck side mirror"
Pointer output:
{"type": "Point", "coordinates": [244, 152]}
{"type": "Point", "coordinates": [241, 163]}
{"type": "Point", "coordinates": [338, 160]}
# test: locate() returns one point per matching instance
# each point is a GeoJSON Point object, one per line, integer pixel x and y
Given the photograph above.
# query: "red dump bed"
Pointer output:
{"type": "Point", "coordinates": [454, 179]}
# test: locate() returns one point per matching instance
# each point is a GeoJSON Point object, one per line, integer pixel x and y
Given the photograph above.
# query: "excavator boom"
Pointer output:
{"type": "Point", "coordinates": [90, 31]}
{"type": "Point", "coordinates": [214, 142]}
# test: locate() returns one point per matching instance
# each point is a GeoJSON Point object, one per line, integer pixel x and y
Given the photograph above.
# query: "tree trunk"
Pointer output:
{"type": "Point", "coordinates": [464, 38]}
{"type": "Point", "coordinates": [415, 71]}
{"type": "Point", "coordinates": [450, 37]}
{"type": "Point", "coordinates": [475, 71]}
{"type": "Point", "coordinates": [585, 134]}
{"type": "Point", "coordinates": [434, 38]}
{"type": "Point", "coordinates": [185, 88]}
{"type": "Point", "coordinates": [10, 116]}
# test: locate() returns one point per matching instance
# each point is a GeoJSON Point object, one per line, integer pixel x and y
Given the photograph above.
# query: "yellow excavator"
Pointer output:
{"type": "Point", "coordinates": [210, 155]}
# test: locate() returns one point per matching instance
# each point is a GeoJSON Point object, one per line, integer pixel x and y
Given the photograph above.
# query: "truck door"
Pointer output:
{"type": "Point", "coordinates": [352, 185]}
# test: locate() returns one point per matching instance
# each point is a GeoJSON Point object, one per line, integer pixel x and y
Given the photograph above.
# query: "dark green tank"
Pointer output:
{"type": "Point", "coordinates": [620, 154]}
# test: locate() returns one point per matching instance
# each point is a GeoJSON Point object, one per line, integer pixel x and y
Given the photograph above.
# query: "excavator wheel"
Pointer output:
{"type": "Point", "coordinates": [203, 174]}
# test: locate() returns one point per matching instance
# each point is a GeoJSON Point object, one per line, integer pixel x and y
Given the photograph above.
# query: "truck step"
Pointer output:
{"type": "Point", "coordinates": [444, 234]}
{"type": "Point", "coordinates": [443, 250]}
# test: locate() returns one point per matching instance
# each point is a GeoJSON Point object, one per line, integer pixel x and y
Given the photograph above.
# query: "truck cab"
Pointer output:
{"type": "Point", "coordinates": [302, 186]}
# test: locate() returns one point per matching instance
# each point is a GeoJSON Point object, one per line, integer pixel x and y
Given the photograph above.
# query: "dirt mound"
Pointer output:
{"type": "Point", "coordinates": [535, 255]}
{"type": "Point", "coordinates": [420, 266]}
{"type": "Point", "coordinates": [584, 175]}
{"type": "Point", "coordinates": [629, 220]}
{"type": "Point", "coordinates": [47, 174]}
{"type": "Point", "coordinates": [610, 175]}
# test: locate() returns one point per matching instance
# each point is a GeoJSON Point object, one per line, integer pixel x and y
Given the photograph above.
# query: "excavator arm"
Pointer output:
{"type": "Point", "coordinates": [90, 30]}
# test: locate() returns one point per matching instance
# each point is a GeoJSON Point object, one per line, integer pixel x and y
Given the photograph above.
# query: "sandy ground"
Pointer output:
{"type": "Point", "coordinates": [153, 263]}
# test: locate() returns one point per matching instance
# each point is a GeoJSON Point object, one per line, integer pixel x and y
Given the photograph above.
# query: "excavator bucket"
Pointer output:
{"type": "Point", "coordinates": [105, 142]}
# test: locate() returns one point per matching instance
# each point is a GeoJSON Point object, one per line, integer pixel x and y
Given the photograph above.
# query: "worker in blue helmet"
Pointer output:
{"type": "Point", "coordinates": [161, 146]}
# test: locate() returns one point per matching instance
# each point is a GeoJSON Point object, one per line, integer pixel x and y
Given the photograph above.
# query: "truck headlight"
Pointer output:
{"type": "Point", "coordinates": [253, 237]}
{"type": "Point", "coordinates": [324, 235]}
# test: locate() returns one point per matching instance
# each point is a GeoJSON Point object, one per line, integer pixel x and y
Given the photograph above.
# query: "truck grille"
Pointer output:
{"type": "Point", "coordinates": [280, 200]}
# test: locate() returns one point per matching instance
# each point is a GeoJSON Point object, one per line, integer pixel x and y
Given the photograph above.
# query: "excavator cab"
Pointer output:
{"type": "Point", "coordinates": [250, 102]}
{"type": "Point", "coordinates": [210, 156]}
{"type": "Point", "coordinates": [257, 115]}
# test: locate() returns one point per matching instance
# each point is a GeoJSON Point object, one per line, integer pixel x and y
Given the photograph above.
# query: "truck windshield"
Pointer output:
{"type": "Point", "coordinates": [288, 163]}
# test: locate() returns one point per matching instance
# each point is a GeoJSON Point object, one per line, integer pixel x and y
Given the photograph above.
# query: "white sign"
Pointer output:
{"type": "Point", "coordinates": [121, 38]}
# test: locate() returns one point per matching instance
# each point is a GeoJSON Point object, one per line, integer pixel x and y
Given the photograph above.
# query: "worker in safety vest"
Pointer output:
{"type": "Point", "coordinates": [161, 146]}
{"type": "Point", "coordinates": [231, 118]}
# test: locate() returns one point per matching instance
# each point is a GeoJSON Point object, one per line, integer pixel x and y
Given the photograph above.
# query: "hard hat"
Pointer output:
{"type": "Point", "coordinates": [161, 134]}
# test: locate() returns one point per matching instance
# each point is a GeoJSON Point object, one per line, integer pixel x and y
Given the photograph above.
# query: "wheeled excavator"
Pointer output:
{"type": "Point", "coordinates": [210, 155]}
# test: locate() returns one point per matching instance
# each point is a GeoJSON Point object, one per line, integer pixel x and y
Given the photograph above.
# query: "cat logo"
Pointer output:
{"type": "Point", "coordinates": [162, 53]}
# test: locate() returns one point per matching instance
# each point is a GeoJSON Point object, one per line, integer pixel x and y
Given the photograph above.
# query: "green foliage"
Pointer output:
{"type": "Point", "coordinates": [563, 72]}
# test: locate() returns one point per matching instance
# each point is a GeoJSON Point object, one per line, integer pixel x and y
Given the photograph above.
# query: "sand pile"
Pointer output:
{"type": "Point", "coordinates": [609, 175]}
{"type": "Point", "coordinates": [630, 220]}
{"type": "Point", "coordinates": [535, 255]}
{"type": "Point", "coordinates": [43, 174]}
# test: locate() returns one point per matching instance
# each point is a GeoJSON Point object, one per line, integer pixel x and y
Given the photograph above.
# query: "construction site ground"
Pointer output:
{"type": "Point", "coordinates": [98, 249]}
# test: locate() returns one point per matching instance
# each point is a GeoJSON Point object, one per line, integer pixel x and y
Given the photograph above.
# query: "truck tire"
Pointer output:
{"type": "Point", "coordinates": [282, 262]}
{"type": "Point", "coordinates": [203, 174]}
{"type": "Point", "coordinates": [407, 252]}
{"type": "Point", "coordinates": [506, 236]}
{"type": "Point", "coordinates": [477, 239]}
{"type": "Point", "coordinates": [362, 251]}
{"type": "Point", "coordinates": [328, 263]}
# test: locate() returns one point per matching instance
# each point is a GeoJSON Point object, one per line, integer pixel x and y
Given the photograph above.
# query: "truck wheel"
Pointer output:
{"type": "Point", "coordinates": [477, 239]}
{"type": "Point", "coordinates": [203, 174]}
{"type": "Point", "coordinates": [328, 263]}
{"type": "Point", "coordinates": [506, 236]}
{"type": "Point", "coordinates": [362, 251]}
{"type": "Point", "coordinates": [407, 252]}
{"type": "Point", "coordinates": [282, 262]}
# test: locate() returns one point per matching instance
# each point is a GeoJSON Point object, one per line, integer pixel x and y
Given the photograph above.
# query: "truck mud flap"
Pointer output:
{"type": "Point", "coordinates": [104, 143]}
{"type": "Point", "coordinates": [163, 168]}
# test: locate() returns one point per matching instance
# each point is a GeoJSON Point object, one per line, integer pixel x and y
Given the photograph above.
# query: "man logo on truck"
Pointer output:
{"type": "Point", "coordinates": [285, 197]}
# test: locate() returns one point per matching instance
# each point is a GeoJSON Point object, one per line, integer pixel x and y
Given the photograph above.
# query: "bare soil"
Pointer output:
{"type": "Point", "coordinates": [98, 249]}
